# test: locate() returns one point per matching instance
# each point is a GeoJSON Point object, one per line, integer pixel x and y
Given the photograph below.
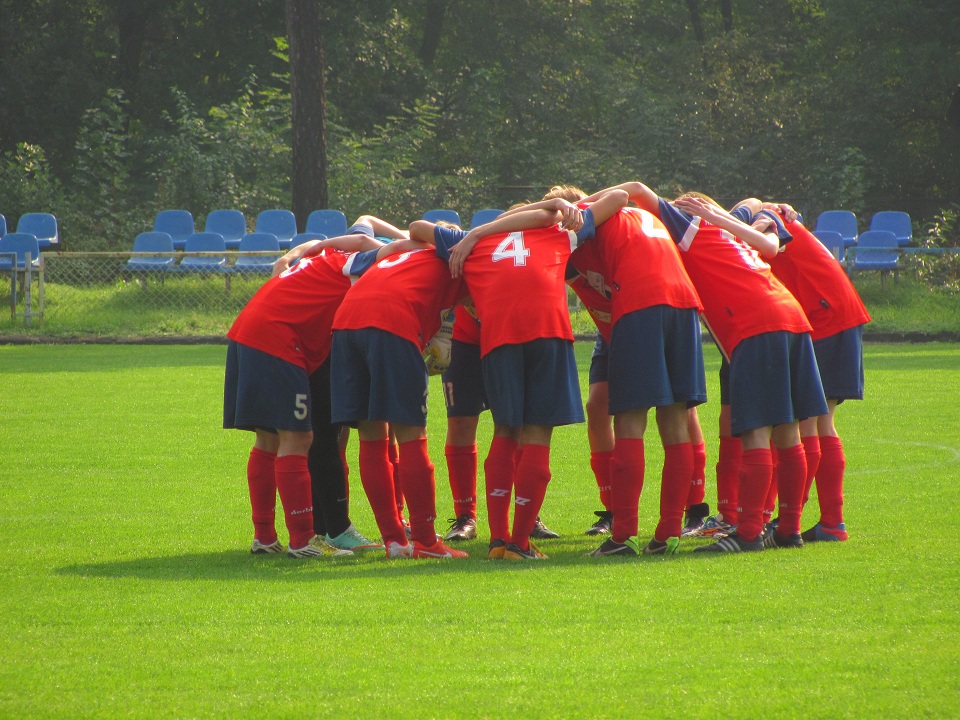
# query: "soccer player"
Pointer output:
{"type": "Point", "coordinates": [837, 314]}
{"type": "Point", "coordinates": [655, 360]}
{"type": "Point", "coordinates": [379, 333]}
{"type": "Point", "coordinates": [279, 339]}
{"type": "Point", "coordinates": [762, 331]}
{"type": "Point", "coordinates": [529, 368]}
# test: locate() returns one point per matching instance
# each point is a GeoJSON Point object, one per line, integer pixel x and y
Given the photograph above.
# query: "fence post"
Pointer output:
{"type": "Point", "coordinates": [28, 281]}
{"type": "Point", "coordinates": [13, 285]}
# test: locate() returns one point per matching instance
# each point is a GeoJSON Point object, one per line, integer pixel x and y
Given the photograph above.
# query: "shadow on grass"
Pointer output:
{"type": "Point", "coordinates": [237, 565]}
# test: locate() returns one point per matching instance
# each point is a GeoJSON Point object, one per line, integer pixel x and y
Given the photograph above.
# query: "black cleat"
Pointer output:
{"type": "Point", "coordinates": [603, 524]}
{"type": "Point", "coordinates": [542, 532]}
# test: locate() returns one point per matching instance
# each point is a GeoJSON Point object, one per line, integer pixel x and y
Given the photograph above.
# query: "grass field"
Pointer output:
{"type": "Point", "coordinates": [128, 590]}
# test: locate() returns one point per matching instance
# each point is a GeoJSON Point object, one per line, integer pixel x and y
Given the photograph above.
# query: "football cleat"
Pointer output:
{"type": "Point", "coordinates": [496, 549]}
{"type": "Point", "coordinates": [542, 532]}
{"type": "Point", "coordinates": [513, 552]}
{"type": "Point", "coordinates": [696, 516]}
{"type": "Point", "coordinates": [772, 540]}
{"type": "Point", "coordinates": [714, 527]}
{"type": "Point", "coordinates": [396, 550]}
{"type": "Point", "coordinates": [436, 551]}
{"type": "Point", "coordinates": [629, 547]}
{"type": "Point", "coordinates": [822, 533]}
{"type": "Point", "coordinates": [732, 544]}
{"type": "Point", "coordinates": [258, 548]}
{"type": "Point", "coordinates": [461, 528]}
{"type": "Point", "coordinates": [667, 547]}
{"type": "Point", "coordinates": [318, 547]}
{"type": "Point", "coordinates": [603, 524]}
{"type": "Point", "coordinates": [351, 539]}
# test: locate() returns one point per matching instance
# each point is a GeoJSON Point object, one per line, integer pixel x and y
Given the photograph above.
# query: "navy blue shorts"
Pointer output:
{"type": "Point", "coordinates": [360, 229]}
{"type": "Point", "coordinates": [656, 359]}
{"type": "Point", "coordinates": [599, 361]}
{"type": "Point", "coordinates": [377, 375]}
{"type": "Point", "coordinates": [533, 383]}
{"type": "Point", "coordinates": [261, 391]}
{"type": "Point", "coordinates": [724, 381]}
{"type": "Point", "coordinates": [840, 358]}
{"type": "Point", "coordinates": [774, 380]}
{"type": "Point", "coordinates": [463, 381]}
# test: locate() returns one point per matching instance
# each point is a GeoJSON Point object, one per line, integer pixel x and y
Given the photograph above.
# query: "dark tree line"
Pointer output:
{"type": "Point", "coordinates": [393, 107]}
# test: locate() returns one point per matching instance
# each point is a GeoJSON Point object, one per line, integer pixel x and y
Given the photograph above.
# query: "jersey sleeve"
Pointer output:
{"type": "Point", "coordinates": [445, 238]}
{"type": "Point", "coordinates": [589, 229]}
{"type": "Point", "coordinates": [360, 262]}
{"type": "Point", "coordinates": [675, 220]}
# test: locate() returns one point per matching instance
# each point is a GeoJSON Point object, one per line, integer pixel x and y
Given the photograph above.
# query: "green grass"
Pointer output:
{"type": "Point", "coordinates": [127, 589]}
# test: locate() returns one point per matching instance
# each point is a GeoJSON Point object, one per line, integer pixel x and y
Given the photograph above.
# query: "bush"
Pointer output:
{"type": "Point", "coordinates": [939, 270]}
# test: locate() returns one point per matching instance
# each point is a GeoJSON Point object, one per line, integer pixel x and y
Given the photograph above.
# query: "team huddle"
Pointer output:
{"type": "Point", "coordinates": [346, 331]}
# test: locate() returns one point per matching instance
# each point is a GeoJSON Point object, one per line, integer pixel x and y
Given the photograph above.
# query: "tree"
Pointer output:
{"type": "Point", "coordinates": [309, 111]}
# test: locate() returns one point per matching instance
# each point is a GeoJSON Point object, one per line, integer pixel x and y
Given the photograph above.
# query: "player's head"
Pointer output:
{"type": "Point", "coordinates": [444, 223]}
{"type": "Point", "coordinates": [570, 193]}
{"type": "Point", "coordinates": [700, 195]}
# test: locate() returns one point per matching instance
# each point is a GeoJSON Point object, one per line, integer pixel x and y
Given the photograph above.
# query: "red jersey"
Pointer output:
{"type": "Point", "coordinates": [407, 294]}
{"type": "Point", "coordinates": [291, 315]}
{"type": "Point", "coordinates": [593, 292]}
{"type": "Point", "coordinates": [818, 282]}
{"type": "Point", "coordinates": [466, 327]}
{"type": "Point", "coordinates": [741, 297]}
{"type": "Point", "coordinates": [518, 285]}
{"type": "Point", "coordinates": [641, 264]}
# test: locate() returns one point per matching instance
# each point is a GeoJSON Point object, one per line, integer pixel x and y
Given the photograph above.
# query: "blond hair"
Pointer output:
{"type": "Point", "coordinates": [700, 195]}
{"type": "Point", "coordinates": [570, 193]}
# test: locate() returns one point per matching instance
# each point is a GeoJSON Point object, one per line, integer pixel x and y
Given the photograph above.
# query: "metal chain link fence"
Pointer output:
{"type": "Point", "coordinates": [113, 295]}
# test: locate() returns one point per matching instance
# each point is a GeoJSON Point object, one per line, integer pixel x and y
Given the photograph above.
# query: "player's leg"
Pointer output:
{"type": "Point", "coordinates": [697, 510]}
{"type": "Point", "coordinates": [600, 435]}
{"type": "Point", "coordinates": [673, 425]}
{"type": "Point", "coordinates": [532, 477]}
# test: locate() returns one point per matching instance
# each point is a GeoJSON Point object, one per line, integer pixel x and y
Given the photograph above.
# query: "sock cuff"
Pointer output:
{"type": "Point", "coordinates": [459, 450]}
{"type": "Point", "coordinates": [757, 456]}
{"type": "Point", "coordinates": [259, 453]}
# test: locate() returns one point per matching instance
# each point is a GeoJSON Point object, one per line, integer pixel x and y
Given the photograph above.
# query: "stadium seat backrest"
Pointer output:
{"type": "Point", "coordinates": [154, 242]}
{"type": "Point", "coordinates": [303, 237]}
{"type": "Point", "coordinates": [450, 216]}
{"type": "Point", "coordinates": [21, 244]}
{"type": "Point", "coordinates": [229, 223]}
{"type": "Point", "coordinates": [482, 217]}
{"type": "Point", "coordinates": [282, 223]}
{"type": "Point", "coordinates": [896, 222]}
{"type": "Point", "coordinates": [841, 221]}
{"type": "Point", "coordinates": [327, 222]}
{"type": "Point", "coordinates": [258, 241]}
{"type": "Point", "coordinates": [832, 240]}
{"type": "Point", "coordinates": [43, 226]}
{"type": "Point", "coordinates": [176, 223]}
{"type": "Point", "coordinates": [876, 250]}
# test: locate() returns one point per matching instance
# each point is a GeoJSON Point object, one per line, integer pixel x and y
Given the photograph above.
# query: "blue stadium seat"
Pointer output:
{"type": "Point", "coordinates": [833, 241]}
{"type": "Point", "coordinates": [841, 221]}
{"type": "Point", "coordinates": [22, 244]}
{"type": "Point", "coordinates": [257, 263]}
{"type": "Point", "coordinates": [303, 237]}
{"type": "Point", "coordinates": [282, 223]}
{"type": "Point", "coordinates": [896, 222]}
{"type": "Point", "coordinates": [3, 226]}
{"type": "Point", "coordinates": [330, 223]}
{"type": "Point", "coordinates": [43, 226]}
{"type": "Point", "coordinates": [203, 242]}
{"type": "Point", "coordinates": [229, 223]}
{"type": "Point", "coordinates": [178, 224]}
{"type": "Point", "coordinates": [152, 242]}
{"type": "Point", "coordinates": [482, 217]}
{"type": "Point", "coordinates": [877, 250]}
{"type": "Point", "coordinates": [450, 216]}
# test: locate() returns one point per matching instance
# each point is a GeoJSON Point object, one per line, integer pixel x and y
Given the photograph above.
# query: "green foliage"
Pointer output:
{"type": "Point", "coordinates": [27, 182]}
{"type": "Point", "coordinates": [939, 270]}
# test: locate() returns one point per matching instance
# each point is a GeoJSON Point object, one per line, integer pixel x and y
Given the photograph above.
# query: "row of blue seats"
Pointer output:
{"type": "Point", "coordinates": [34, 232]}
{"type": "Point", "coordinates": [845, 224]}
{"type": "Point", "coordinates": [160, 246]}
{"type": "Point", "coordinates": [232, 225]}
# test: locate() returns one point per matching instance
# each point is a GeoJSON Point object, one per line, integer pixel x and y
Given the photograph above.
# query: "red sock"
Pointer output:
{"type": "Point", "coordinates": [830, 480]}
{"type": "Point", "coordinates": [792, 472]}
{"type": "Point", "coordinates": [533, 475]}
{"type": "Point", "coordinates": [674, 488]}
{"type": "Point", "coordinates": [376, 476]}
{"type": "Point", "coordinates": [811, 448]}
{"type": "Point", "coordinates": [498, 471]}
{"type": "Point", "coordinates": [600, 464]}
{"type": "Point", "coordinates": [293, 485]}
{"type": "Point", "coordinates": [770, 504]}
{"type": "Point", "coordinates": [756, 467]}
{"type": "Point", "coordinates": [462, 469]}
{"type": "Point", "coordinates": [626, 476]}
{"type": "Point", "coordinates": [728, 478]}
{"type": "Point", "coordinates": [419, 490]}
{"type": "Point", "coordinates": [262, 484]}
{"type": "Point", "coordinates": [698, 483]}
{"type": "Point", "coordinates": [394, 456]}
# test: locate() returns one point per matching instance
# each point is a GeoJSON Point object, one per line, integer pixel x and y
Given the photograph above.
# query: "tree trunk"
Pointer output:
{"type": "Point", "coordinates": [432, 29]}
{"type": "Point", "coordinates": [694, 7]}
{"type": "Point", "coordinates": [309, 121]}
{"type": "Point", "coordinates": [726, 13]}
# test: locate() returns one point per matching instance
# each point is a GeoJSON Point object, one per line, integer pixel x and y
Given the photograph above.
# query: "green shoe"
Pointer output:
{"type": "Point", "coordinates": [667, 547]}
{"type": "Point", "coordinates": [351, 539]}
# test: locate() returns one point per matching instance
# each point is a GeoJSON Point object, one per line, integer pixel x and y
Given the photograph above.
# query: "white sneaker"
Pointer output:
{"type": "Point", "coordinates": [318, 547]}
{"type": "Point", "coordinates": [396, 550]}
{"type": "Point", "coordinates": [258, 548]}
